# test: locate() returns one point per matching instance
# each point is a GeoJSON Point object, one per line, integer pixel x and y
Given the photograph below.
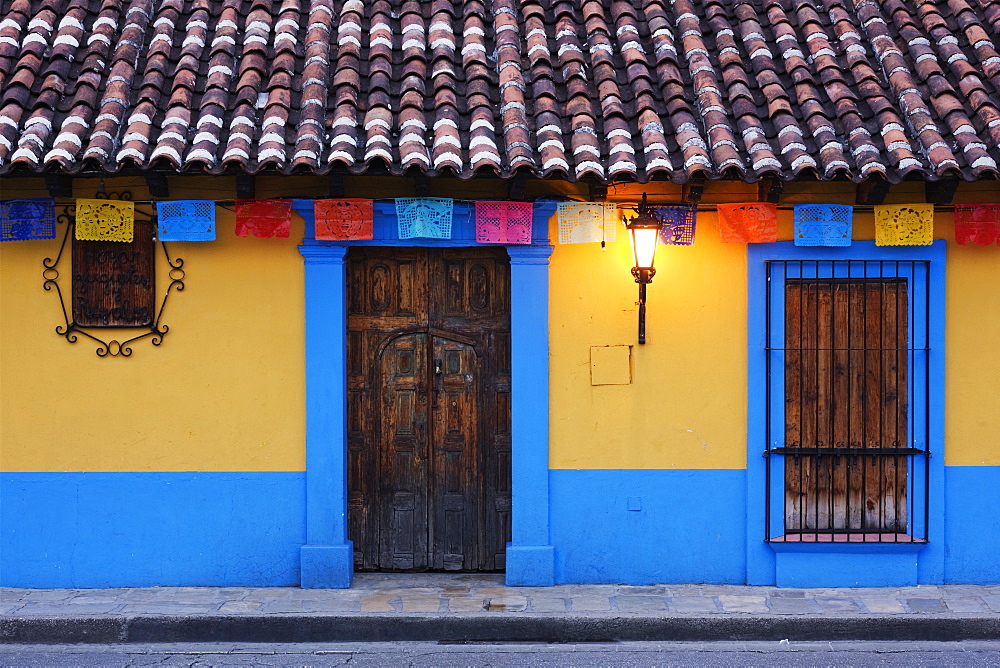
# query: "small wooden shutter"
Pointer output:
{"type": "Point", "coordinates": [846, 405]}
{"type": "Point", "coordinates": [113, 282]}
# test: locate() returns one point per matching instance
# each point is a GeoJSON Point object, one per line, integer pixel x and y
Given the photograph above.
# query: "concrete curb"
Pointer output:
{"type": "Point", "coordinates": [489, 628]}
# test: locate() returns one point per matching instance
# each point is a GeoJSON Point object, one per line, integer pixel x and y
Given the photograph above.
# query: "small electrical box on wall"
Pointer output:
{"type": "Point", "coordinates": [611, 365]}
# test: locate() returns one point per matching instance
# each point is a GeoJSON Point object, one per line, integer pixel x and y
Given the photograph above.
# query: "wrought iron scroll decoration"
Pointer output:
{"type": "Point", "coordinates": [70, 330]}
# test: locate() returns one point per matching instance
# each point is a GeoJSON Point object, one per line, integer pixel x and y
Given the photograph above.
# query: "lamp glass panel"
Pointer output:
{"type": "Point", "coordinates": [644, 241]}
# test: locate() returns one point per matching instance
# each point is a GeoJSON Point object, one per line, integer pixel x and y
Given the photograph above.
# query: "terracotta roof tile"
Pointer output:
{"type": "Point", "coordinates": [570, 88]}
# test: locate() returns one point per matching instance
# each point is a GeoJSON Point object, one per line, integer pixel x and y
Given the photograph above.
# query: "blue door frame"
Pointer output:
{"type": "Point", "coordinates": [327, 558]}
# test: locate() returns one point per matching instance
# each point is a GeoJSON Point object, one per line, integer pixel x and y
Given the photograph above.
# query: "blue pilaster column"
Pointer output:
{"type": "Point", "coordinates": [328, 556]}
{"type": "Point", "coordinates": [530, 556]}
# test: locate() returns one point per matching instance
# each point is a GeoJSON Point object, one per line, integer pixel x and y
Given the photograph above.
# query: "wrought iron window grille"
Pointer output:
{"type": "Point", "coordinates": [71, 329]}
{"type": "Point", "coordinates": [847, 401]}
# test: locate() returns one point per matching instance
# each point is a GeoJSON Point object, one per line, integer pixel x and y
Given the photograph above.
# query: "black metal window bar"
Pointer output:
{"type": "Point", "coordinates": [847, 401]}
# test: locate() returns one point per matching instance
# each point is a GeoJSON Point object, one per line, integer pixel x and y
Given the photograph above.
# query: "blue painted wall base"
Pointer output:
{"type": "Point", "coordinates": [530, 565]}
{"type": "Point", "coordinates": [972, 529]}
{"type": "Point", "coordinates": [327, 566]}
{"type": "Point", "coordinates": [884, 569]}
{"type": "Point", "coordinates": [650, 526]}
{"type": "Point", "coordinates": [78, 530]}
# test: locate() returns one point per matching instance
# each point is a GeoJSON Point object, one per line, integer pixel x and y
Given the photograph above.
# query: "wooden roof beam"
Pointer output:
{"type": "Point", "coordinates": [871, 192]}
{"type": "Point", "coordinates": [941, 191]}
{"type": "Point", "coordinates": [156, 183]}
{"type": "Point", "coordinates": [59, 184]}
{"type": "Point", "coordinates": [246, 186]}
{"type": "Point", "coordinates": [769, 190]}
{"type": "Point", "coordinates": [693, 190]}
{"type": "Point", "coordinates": [516, 185]}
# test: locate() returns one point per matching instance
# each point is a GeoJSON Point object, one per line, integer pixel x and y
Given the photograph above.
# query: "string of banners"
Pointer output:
{"type": "Point", "coordinates": [495, 222]}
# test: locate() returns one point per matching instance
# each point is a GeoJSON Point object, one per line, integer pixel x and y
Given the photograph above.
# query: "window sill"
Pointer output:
{"type": "Point", "coordinates": [869, 543]}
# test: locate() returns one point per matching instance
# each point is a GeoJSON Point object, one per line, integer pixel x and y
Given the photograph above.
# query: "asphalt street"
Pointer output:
{"type": "Point", "coordinates": [454, 655]}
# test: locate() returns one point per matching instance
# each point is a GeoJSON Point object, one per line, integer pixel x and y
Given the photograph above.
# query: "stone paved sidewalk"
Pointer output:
{"type": "Point", "coordinates": [443, 594]}
{"type": "Point", "coordinates": [463, 606]}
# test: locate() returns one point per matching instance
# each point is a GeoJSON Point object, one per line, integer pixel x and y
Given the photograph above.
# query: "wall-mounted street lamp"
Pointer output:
{"type": "Point", "coordinates": [644, 233]}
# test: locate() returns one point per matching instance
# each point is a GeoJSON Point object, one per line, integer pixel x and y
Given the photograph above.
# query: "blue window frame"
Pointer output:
{"type": "Point", "coordinates": [916, 276]}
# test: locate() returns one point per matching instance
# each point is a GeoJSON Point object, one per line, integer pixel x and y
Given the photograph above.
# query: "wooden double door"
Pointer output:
{"type": "Point", "coordinates": [428, 380]}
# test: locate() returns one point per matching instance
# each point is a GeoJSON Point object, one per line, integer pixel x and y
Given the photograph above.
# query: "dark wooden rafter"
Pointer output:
{"type": "Point", "coordinates": [421, 185]}
{"type": "Point", "coordinates": [598, 191]}
{"type": "Point", "coordinates": [246, 186]}
{"type": "Point", "coordinates": [941, 191]}
{"type": "Point", "coordinates": [59, 184]}
{"type": "Point", "coordinates": [872, 192]}
{"type": "Point", "coordinates": [517, 185]}
{"type": "Point", "coordinates": [769, 190]}
{"type": "Point", "coordinates": [693, 190]}
{"type": "Point", "coordinates": [156, 183]}
{"type": "Point", "coordinates": [335, 184]}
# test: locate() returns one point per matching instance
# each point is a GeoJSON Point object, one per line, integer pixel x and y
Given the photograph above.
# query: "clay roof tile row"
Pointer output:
{"type": "Point", "coordinates": [576, 89]}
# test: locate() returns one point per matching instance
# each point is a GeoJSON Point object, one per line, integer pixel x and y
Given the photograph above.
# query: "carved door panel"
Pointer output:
{"type": "Point", "coordinates": [385, 295]}
{"type": "Point", "coordinates": [454, 465]}
{"type": "Point", "coordinates": [402, 446]}
{"type": "Point", "coordinates": [428, 408]}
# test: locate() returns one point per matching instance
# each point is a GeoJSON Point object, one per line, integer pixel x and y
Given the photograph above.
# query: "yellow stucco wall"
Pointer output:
{"type": "Point", "coordinates": [972, 418]}
{"type": "Point", "coordinates": [973, 357]}
{"type": "Point", "coordinates": [686, 406]}
{"type": "Point", "coordinates": [226, 389]}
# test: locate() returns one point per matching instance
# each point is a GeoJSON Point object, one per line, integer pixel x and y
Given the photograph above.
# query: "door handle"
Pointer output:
{"type": "Point", "coordinates": [437, 367]}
